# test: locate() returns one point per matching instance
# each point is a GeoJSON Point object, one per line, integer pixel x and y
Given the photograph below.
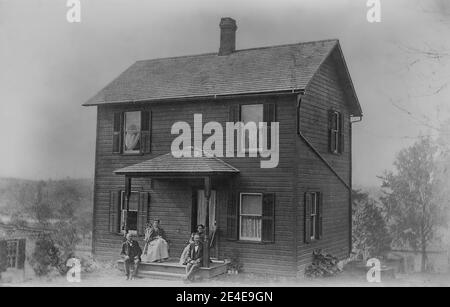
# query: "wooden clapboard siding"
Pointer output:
{"type": "Point", "coordinates": [171, 199]}
{"type": "Point", "coordinates": [277, 257]}
{"type": "Point", "coordinates": [324, 92]}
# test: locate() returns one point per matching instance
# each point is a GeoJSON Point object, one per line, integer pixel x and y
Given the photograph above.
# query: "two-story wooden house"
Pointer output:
{"type": "Point", "coordinates": [271, 218]}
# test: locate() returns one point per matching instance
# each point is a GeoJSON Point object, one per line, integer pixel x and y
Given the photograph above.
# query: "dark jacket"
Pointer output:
{"type": "Point", "coordinates": [196, 255]}
{"type": "Point", "coordinates": [131, 249]}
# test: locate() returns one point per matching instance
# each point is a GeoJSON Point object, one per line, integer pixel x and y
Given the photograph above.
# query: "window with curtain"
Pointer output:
{"type": "Point", "coordinates": [250, 216]}
{"type": "Point", "coordinates": [132, 132]}
{"type": "Point", "coordinates": [132, 217]}
{"type": "Point", "coordinates": [251, 113]}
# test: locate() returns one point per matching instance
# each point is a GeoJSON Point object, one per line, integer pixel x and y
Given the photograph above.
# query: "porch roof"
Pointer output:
{"type": "Point", "coordinates": [169, 165]}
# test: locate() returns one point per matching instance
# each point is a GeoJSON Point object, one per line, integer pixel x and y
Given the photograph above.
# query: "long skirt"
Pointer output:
{"type": "Point", "coordinates": [155, 250]}
{"type": "Point", "coordinates": [184, 255]}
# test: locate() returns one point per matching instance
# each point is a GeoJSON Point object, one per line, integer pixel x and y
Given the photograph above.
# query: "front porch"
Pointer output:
{"type": "Point", "coordinates": [184, 191]}
{"type": "Point", "coordinates": [171, 269]}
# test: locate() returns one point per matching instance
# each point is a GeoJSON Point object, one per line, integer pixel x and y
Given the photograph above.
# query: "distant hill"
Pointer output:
{"type": "Point", "coordinates": [60, 199]}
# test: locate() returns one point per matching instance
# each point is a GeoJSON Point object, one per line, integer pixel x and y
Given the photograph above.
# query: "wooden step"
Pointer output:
{"type": "Point", "coordinates": [160, 275]}
{"type": "Point", "coordinates": [174, 270]}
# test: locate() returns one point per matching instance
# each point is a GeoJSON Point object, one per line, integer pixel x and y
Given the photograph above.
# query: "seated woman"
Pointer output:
{"type": "Point", "coordinates": [156, 247]}
{"type": "Point", "coordinates": [185, 254]}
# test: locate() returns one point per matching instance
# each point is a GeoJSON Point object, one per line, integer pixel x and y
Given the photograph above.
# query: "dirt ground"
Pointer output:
{"type": "Point", "coordinates": [114, 278]}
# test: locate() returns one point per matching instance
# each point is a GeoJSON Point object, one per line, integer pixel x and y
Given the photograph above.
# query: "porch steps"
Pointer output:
{"type": "Point", "coordinates": [173, 270]}
{"type": "Point", "coordinates": [161, 275]}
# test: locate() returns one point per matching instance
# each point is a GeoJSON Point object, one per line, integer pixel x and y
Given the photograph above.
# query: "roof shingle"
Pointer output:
{"type": "Point", "coordinates": [267, 69]}
{"type": "Point", "coordinates": [168, 164]}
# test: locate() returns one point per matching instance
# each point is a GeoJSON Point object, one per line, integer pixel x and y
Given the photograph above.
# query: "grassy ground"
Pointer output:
{"type": "Point", "coordinates": [112, 277]}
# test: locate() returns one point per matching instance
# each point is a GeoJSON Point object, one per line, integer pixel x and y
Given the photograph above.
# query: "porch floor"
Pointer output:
{"type": "Point", "coordinates": [171, 269]}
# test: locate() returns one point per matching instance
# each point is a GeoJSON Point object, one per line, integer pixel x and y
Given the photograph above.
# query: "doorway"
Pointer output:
{"type": "Point", "coordinates": [199, 210]}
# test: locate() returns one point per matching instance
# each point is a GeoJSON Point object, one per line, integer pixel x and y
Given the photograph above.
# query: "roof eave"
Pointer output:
{"type": "Point", "coordinates": [175, 174]}
{"type": "Point", "coordinates": [184, 98]}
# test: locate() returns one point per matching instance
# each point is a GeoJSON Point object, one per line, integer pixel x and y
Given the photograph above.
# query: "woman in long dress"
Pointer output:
{"type": "Point", "coordinates": [156, 247]}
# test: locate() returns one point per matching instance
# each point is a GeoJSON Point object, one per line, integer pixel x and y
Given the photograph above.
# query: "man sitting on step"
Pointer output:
{"type": "Point", "coordinates": [131, 253]}
{"type": "Point", "coordinates": [195, 257]}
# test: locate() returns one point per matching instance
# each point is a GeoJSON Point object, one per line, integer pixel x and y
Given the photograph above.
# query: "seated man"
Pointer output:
{"type": "Point", "coordinates": [195, 257]}
{"type": "Point", "coordinates": [185, 254]}
{"type": "Point", "coordinates": [131, 253]}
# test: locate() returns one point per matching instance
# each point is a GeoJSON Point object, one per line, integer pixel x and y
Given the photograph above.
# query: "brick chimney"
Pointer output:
{"type": "Point", "coordinates": [227, 36]}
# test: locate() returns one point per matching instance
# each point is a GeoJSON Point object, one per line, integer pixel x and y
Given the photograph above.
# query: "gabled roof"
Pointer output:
{"type": "Point", "coordinates": [167, 164]}
{"type": "Point", "coordinates": [249, 71]}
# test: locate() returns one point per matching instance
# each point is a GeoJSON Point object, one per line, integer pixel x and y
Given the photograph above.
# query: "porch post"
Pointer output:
{"type": "Point", "coordinates": [206, 243]}
{"type": "Point", "coordinates": [127, 197]}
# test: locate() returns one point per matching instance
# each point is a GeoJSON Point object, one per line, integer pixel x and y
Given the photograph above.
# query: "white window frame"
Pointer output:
{"type": "Point", "coordinates": [125, 151]}
{"type": "Point", "coordinates": [336, 132]}
{"type": "Point", "coordinates": [123, 212]}
{"type": "Point", "coordinates": [240, 217]}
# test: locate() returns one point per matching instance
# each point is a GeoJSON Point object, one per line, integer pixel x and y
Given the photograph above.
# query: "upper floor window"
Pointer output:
{"type": "Point", "coordinates": [336, 132]}
{"type": "Point", "coordinates": [132, 132]}
{"type": "Point", "coordinates": [256, 113]}
{"type": "Point", "coordinates": [251, 113]}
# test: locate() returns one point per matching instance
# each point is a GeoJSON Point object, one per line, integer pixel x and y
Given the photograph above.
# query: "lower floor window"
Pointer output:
{"type": "Point", "coordinates": [250, 216]}
{"type": "Point", "coordinates": [131, 218]}
{"type": "Point", "coordinates": [12, 253]}
{"type": "Point", "coordinates": [314, 215]}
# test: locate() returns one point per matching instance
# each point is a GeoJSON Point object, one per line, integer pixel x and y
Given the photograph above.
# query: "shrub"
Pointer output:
{"type": "Point", "coordinates": [45, 255]}
{"type": "Point", "coordinates": [323, 265]}
{"type": "Point", "coordinates": [235, 262]}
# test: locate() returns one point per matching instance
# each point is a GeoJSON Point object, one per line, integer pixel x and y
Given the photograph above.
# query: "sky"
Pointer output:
{"type": "Point", "coordinates": [48, 67]}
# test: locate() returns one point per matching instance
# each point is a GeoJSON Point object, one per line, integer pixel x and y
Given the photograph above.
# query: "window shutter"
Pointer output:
{"type": "Point", "coordinates": [146, 131]}
{"type": "Point", "coordinates": [3, 255]}
{"type": "Point", "coordinates": [331, 138]}
{"type": "Point", "coordinates": [268, 217]}
{"type": "Point", "coordinates": [320, 215]}
{"type": "Point", "coordinates": [269, 117]}
{"type": "Point", "coordinates": [307, 217]}
{"type": "Point", "coordinates": [234, 114]}
{"type": "Point", "coordinates": [232, 217]}
{"type": "Point", "coordinates": [114, 207]}
{"type": "Point", "coordinates": [117, 132]}
{"type": "Point", "coordinates": [21, 254]}
{"type": "Point", "coordinates": [143, 209]}
{"type": "Point", "coordinates": [341, 133]}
